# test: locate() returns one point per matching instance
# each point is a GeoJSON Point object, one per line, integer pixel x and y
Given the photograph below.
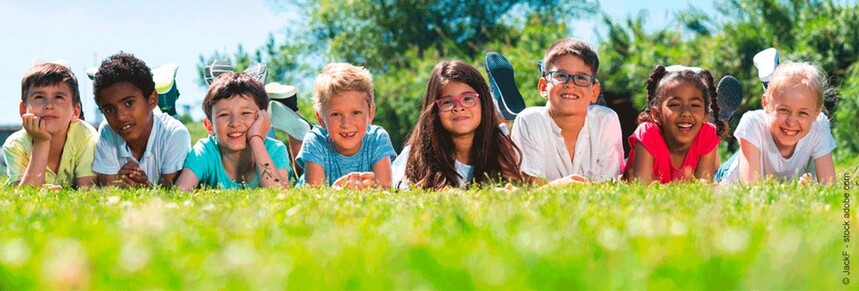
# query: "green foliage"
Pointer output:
{"type": "Point", "coordinates": [845, 121]}
{"type": "Point", "coordinates": [381, 35]}
{"type": "Point", "coordinates": [608, 236]}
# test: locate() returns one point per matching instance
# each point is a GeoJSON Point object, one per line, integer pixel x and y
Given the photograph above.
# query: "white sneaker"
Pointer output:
{"type": "Point", "coordinates": [286, 120]}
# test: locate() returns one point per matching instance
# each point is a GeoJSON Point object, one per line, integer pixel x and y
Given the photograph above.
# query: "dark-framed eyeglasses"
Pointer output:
{"type": "Point", "coordinates": [581, 80]}
{"type": "Point", "coordinates": [465, 100]}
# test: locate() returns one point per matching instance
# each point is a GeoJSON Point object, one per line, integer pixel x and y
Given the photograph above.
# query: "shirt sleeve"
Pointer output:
{"type": "Point", "coordinates": [526, 140]}
{"type": "Point", "coordinates": [312, 150]}
{"type": "Point", "coordinates": [86, 146]}
{"type": "Point", "coordinates": [398, 169]}
{"type": "Point", "coordinates": [612, 138]}
{"type": "Point", "coordinates": [106, 159]}
{"type": "Point", "coordinates": [749, 129]}
{"type": "Point", "coordinates": [197, 161]}
{"type": "Point", "coordinates": [709, 138]}
{"type": "Point", "coordinates": [16, 158]}
{"type": "Point", "coordinates": [176, 149]}
{"type": "Point", "coordinates": [823, 137]}
{"type": "Point", "coordinates": [279, 154]}
{"type": "Point", "coordinates": [382, 147]}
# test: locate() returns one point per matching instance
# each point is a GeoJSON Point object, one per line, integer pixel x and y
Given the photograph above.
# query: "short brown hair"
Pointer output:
{"type": "Point", "coordinates": [572, 46]}
{"type": "Point", "coordinates": [48, 74]}
{"type": "Point", "coordinates": [230, 84]}
{"type": "Point", "coordinates": [337, 78]}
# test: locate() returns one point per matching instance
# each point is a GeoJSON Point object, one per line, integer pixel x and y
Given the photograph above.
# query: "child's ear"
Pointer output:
{"type": "Point", "coordinates": [764, 101]}
{"type": "Point", "coordinates": [76, 112]}
{"type": "Point", "coordinates": [596, 90]}
{"type": "Point", "coordinates": [22, 108]}
{"type": "Point", "coordinates": [655, 115]}
{"type": "Point", "coordinates": [320, 120]}
{"type": "Point", "coordinates": [372, 112]}
{"type": "Point", "coordinates": [152, 101]}
{"type": "Point", "coordinates": [209, 126]}
{"type": "Point", "coordinates": [541, 86]}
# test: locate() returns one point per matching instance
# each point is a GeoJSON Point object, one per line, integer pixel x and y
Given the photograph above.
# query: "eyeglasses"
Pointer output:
{"type": "Point", "coordinates": [465, 100]}
{"type": "Point", "coordinates": [581, 80]}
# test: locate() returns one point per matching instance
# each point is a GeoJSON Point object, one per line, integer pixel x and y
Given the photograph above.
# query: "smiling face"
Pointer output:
{"type": "Point", "coordinates": [460, 121]}
{"type": "Point", "coordinates": [127, 111]}
{"type": "Point", "coordinates": [790, 110]}
{"type": "Point", "coordinates": [568, 99]}
{"type": "Point", "coordinates": [346, 117]}
{"type": "Point", "coordinates": [53, 105]}
{"type": "Point", "coordinates": [231, 119]}
{"type": "Point", "coordinates": [681, 113]}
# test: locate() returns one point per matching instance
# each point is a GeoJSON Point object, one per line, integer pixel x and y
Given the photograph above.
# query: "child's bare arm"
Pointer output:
{"type": "Point", "coordinates": [187, 180]}
{"type": "Point", "coordinates": [708, 165]}
{"type": "Point", "coordinates": [268, 173]}
{"type": "Point", "coordinates": [825, 169]}
{"type": "Point", "coordinates": [34, 175]}
{"type": "Point", "coordinates": [314, 174]}
{"type": "Point", "coordinates": [750, 162]}
{"type": "Point", "coordinates": [382, 169]}
{"type": "Point", "coordinates": [642, 165]}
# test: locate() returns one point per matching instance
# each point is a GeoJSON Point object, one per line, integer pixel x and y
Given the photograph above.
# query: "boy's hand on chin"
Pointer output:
{"type": "Point", "coordinates": [35, 127]}
{"type": "Point", "coordinates": [261, 126]}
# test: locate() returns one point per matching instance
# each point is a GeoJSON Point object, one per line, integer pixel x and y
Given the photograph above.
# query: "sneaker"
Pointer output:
{"type": "Point", "coordinates": [285, 94]}
{"type": "Point", "coordinates": [215, 69]}
{"type": "Point", "coordinates": [91, 73]}
{"type": "Point", "coordinates": [729, 96]}
{"type": "Point", "coordinates": [766, 61]}
{"type": "Point", "coordinates": [286, 120]}
{"type": "Point", "coordinates": [508, 100]}
{"type": "Point", "coordinates": [258, 72]}
{"type": "Point", "coordinates": [165, 84]}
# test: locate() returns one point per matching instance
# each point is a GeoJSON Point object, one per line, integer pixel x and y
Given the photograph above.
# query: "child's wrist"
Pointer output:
{"type": "Point", "coordinates": [256, 135]}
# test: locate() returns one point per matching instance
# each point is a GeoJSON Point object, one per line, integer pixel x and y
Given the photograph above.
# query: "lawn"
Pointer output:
{"type": "Point", "coordinates": [610, 236]}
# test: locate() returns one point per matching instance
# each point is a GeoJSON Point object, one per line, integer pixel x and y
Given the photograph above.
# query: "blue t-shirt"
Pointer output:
{"type": "Point", "coordinates": [318, 149]}
{"type": "Point", "coordinates": [205, 161]}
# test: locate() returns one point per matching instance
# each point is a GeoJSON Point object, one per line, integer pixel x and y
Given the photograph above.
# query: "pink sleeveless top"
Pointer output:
{"type": "Point", "coordinates": [650, 136]}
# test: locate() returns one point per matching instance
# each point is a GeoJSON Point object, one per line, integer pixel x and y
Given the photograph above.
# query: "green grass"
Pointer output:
{"type": "Point", "coordinates": [612, 236]}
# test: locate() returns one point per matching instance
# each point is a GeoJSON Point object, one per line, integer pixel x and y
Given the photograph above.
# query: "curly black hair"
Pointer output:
{"type": "Point", "coordinates": [123, 67]}
{"type": "Point", "coordinates": [703, 80]}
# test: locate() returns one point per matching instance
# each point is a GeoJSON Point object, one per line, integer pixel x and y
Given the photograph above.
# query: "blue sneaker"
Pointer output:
{"type": "Point", "coordinates": [258, 71]}
{"type": "Point", "coordinates": [508, 100]}
{"type": "Point", "coordinates": [729, 96]}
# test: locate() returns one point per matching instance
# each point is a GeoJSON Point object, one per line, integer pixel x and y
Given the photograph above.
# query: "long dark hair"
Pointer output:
{"type": "Point", "coordinates": [702, 79]}
{"type": "Point", "coordinates": [431, 160]}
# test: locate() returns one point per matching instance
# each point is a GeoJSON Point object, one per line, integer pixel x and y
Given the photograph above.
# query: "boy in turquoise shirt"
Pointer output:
{"type": "Point", "coordinates": [237, 153]}
{"type": "Point", "coordinates": [345, 150]}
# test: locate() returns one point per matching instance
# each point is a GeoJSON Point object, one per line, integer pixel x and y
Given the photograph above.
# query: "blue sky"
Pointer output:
{"type": "Point", "coordinates": [161, 32]}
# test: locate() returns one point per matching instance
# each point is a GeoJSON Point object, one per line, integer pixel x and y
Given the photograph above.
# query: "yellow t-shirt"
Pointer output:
{"type": "Point", "coordinates": [76, 161]}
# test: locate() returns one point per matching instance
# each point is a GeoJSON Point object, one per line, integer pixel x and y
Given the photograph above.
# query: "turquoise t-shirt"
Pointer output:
{"type": "Point", "coordinates": [318, 149]}
{"type": "Point", "coordinates": [205, 161]}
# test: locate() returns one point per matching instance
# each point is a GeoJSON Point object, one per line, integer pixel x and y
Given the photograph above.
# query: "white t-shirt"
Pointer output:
{"type": "Point", "coordinates": [755, 129]}
{"type": "Point", "coordinates": [598, 152]}
{"type": "Point", "coordinates": [398, 171]}
{"type": "Point", "coordinates": [166, 149]}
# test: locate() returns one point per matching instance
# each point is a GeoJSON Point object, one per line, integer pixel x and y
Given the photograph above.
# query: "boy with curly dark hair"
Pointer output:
{"type": "Point", "coordinates": [136, 147]}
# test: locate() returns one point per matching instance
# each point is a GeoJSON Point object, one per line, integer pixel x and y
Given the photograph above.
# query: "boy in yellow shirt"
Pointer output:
{"type": "Point", "coordinates": [54, 148]}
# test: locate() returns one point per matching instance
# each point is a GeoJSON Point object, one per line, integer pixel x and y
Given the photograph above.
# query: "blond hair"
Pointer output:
{"type": "Point", "coordinates": [807, 74]}
{"type": "Point", "coordinates": [337, 78]}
